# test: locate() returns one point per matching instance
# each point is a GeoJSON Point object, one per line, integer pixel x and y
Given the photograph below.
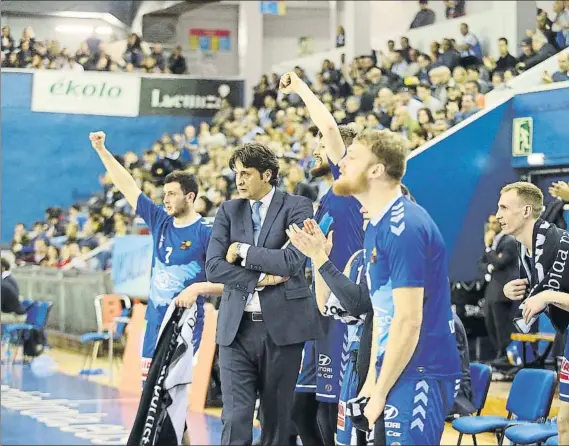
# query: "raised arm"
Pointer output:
{"type": "Point", "coordinates": [124, 182]}
{"type": "Point", "coordinates": [219, 270]}
{"type": "Point", "coordinates": [322, 118]}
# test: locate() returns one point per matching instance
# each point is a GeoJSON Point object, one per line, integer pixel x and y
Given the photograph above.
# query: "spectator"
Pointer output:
{"type": "Point", "coordinates": [406, 49]}
{"type": "Point", "coordinates": [435, 52]}
{"type": "Point", "coordinates": [403, 123]}
{"type": "Point", "coordinates": [527, 51]}
{"type": "Point", "coordinates": [454, 9]}
{"type": "Point", "coordinates": [7, 40]}
{"type": "Point", "coordinates": [25, 55]}
{"type": "Point", "coordinates": [498, 83]}
{"type": "Point", "coordinates": [340, 37]}
{"type": "Point", "coordinates": [440, 79]}
{"type": "Point", "coordinates": [12, 61]}
{"type": "Point", "coordinates": [561, 23]}
{"type": "Point", "coordinates": [469, 108]}
{"type": "Point", "coordinates": [425, 16]}
{"type": "Point", "coordinates": [177, 62]}
{"type": "Point", "coordinates": [424, 62]}
{"type": "Point", "coordinates": [544, 31]}
{"type": "Point", "coordinates": [11, 304]}
{"type": "Point", "coordinates": [473, 89]}
{"type": "Point", "coordinates": [83, 54]}
{"type": "Point", "coordinates": [158, 55]}
{"type": "Point", "coordinates": [505, 61]}
{"type": "Point", "coordinates": [450, 57]}
{"type": "Point", "coordinates": [470, 50]}
{"type": "Point", "coordinates": [424, 95]}
{"type": "Point", "coordinates": [133, 53]}
{"type": "Point", "coordinates": [426, 121]}
{"type": "Point", "coordinates": [562, 74]}
{"type": "Point", "coordinates": [542, 51]}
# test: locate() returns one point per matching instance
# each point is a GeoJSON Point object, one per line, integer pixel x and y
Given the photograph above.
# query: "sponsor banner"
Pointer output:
{"type": "Point", "coordinates": [188, 97]}
{"type": "Point", "coordinates": [131, 265]}
{"type": "Point", "coordinates": [86, 93]}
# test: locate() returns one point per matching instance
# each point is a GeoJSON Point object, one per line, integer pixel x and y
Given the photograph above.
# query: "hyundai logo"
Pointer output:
{"type": "Point", "coordinates": [324, 360]}
{"type": "Point", "coordinates": [390, 412]}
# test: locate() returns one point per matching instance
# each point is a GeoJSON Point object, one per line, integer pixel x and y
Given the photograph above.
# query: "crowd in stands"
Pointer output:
{"type": "Point", "coordinates": [420, 95]}
{"type": "Point", "coordinates": [32, 53]}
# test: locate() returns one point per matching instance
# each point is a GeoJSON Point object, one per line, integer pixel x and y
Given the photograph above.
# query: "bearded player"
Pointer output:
{"type": "Point", "coordinates": [341, 215]}
{"type": "Point", "coordinates": [416, 364]}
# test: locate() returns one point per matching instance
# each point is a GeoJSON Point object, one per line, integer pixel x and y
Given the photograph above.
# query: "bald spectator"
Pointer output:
{"type": "Point", "coordinates": [469, 108]}
{"type": "Point", "coordinates": [440, 79]}
{"type": "Point", "coordinates": [562, 74]}
{"type": "Point", "coordinates": [425, 16]}
{"type": "Point", "coordinates": [424, 95]}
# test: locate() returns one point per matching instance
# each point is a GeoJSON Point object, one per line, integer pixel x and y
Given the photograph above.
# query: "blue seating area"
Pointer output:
{"type": "Point", "coordinates": [529, 401]}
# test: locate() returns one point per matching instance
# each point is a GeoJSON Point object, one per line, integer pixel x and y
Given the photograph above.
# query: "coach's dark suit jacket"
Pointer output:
{"type": "Point", "coordinates": [289, 309]}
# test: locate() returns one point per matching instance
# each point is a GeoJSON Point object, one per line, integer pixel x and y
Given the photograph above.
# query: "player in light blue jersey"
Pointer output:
{"type": "Point", "coordinates": [340, 215]}
{"type": "Point", "coordinates": [180, 236]}
{"type": "Point", "coordinates": [411, 384]}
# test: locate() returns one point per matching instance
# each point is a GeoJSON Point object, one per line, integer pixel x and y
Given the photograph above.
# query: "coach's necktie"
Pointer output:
{"type": "Point", "coordinates": [256, 220]}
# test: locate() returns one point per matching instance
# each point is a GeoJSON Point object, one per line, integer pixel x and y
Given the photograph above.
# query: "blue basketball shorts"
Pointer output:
{"type": "Point", "coordinates": [306, 381]}
{"type": "Point", "coordinates": [564, 375]}
{"type": "Point", "coordinates": [415, 410]}
{"type": "Point", "coordinates": [345, 430]}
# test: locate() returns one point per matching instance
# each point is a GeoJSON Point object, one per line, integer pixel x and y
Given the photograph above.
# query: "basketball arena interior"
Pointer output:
{"type": "Point", "coordinates": [105, 102]}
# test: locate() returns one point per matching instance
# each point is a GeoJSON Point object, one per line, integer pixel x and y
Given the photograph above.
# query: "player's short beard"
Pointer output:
{"type": "Point", "coordinates": [349, 188]}
{"type": "Point", "coordinates": [181, 211]}
{"type": "Point", "coordinates": [320, 171]}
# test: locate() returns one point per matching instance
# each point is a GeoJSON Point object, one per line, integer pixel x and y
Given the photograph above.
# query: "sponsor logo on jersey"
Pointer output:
{"type": "Point", "coordinates": [390, 412]}
{"type": "Point", "coordinates": [324, 360]}
{"type": "Point", "coordinates": [185, 245]}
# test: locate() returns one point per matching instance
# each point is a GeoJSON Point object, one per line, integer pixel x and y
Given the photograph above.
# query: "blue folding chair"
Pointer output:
{"type": "Point", "coordinates": [14, 335]}
{"type": "Point", "coordinates": [552, 441]}
{"type": "Point", "coordinates": [481, 377]}
{"type": "Point", "coordinates": [533, 433]}
{"type": "Point", "coordinates": [529, 400]}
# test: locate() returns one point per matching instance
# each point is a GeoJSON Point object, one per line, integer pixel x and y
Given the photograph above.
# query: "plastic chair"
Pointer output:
{"type": "Point", "coordinates": [112, 313]}
{"type": "Point", "coordinates": [14, 335]}
{"type": "Point", "coordinates": [481, 377]}
{"type": "Point", "coordinates": [534, 433]}
{"type": "Point", "coordinates": [529, 400]}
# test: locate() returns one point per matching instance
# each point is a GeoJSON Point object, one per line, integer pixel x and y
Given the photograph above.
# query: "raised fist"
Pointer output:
{"type": "Point", "coordinates": [289, 82]}
{"type": "Point", "coordinates": [97, 140]}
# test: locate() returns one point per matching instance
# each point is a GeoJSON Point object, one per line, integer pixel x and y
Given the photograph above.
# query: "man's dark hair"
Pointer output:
{"type": "Point", "coordinates": [503, 39]}
{"type": "Point", "coordinates": [257, 156]}
{"type": "Point", "coordinates": [346, 132]}
{"type": "Point", "coordinates": [5, 264]}
{"type": "Point", "coordinates": [186, 180]}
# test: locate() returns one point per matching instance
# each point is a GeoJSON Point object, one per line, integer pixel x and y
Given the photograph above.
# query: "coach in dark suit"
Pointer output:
{"type": "Point", "coordinates": [267, 310]}
{"type": "Point", "coordinates": [499, 264]}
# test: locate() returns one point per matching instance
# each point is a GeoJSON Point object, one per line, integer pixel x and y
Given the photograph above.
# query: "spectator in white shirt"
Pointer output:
{"type": "Point", "coordinates": [424, 95]}
{"type": "Point", "coordinates": [469, 46]}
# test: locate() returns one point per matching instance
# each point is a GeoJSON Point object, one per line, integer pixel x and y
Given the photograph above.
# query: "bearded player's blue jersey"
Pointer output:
{"type": "Point", "coordinates": [178, 259]}
{"type": "Point", "coordinates": [342, 216]}
{"type": "Point", "coordinates": [404, 248]}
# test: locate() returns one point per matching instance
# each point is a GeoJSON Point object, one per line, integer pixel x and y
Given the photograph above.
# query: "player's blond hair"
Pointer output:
{"type": "Point", "coordinates": [529, 195]}
{"type": "Point", "coordinates": [390, 148]}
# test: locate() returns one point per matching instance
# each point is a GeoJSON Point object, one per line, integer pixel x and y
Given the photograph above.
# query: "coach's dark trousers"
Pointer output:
{"type": "Point", "coordinates": [254, 363]}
